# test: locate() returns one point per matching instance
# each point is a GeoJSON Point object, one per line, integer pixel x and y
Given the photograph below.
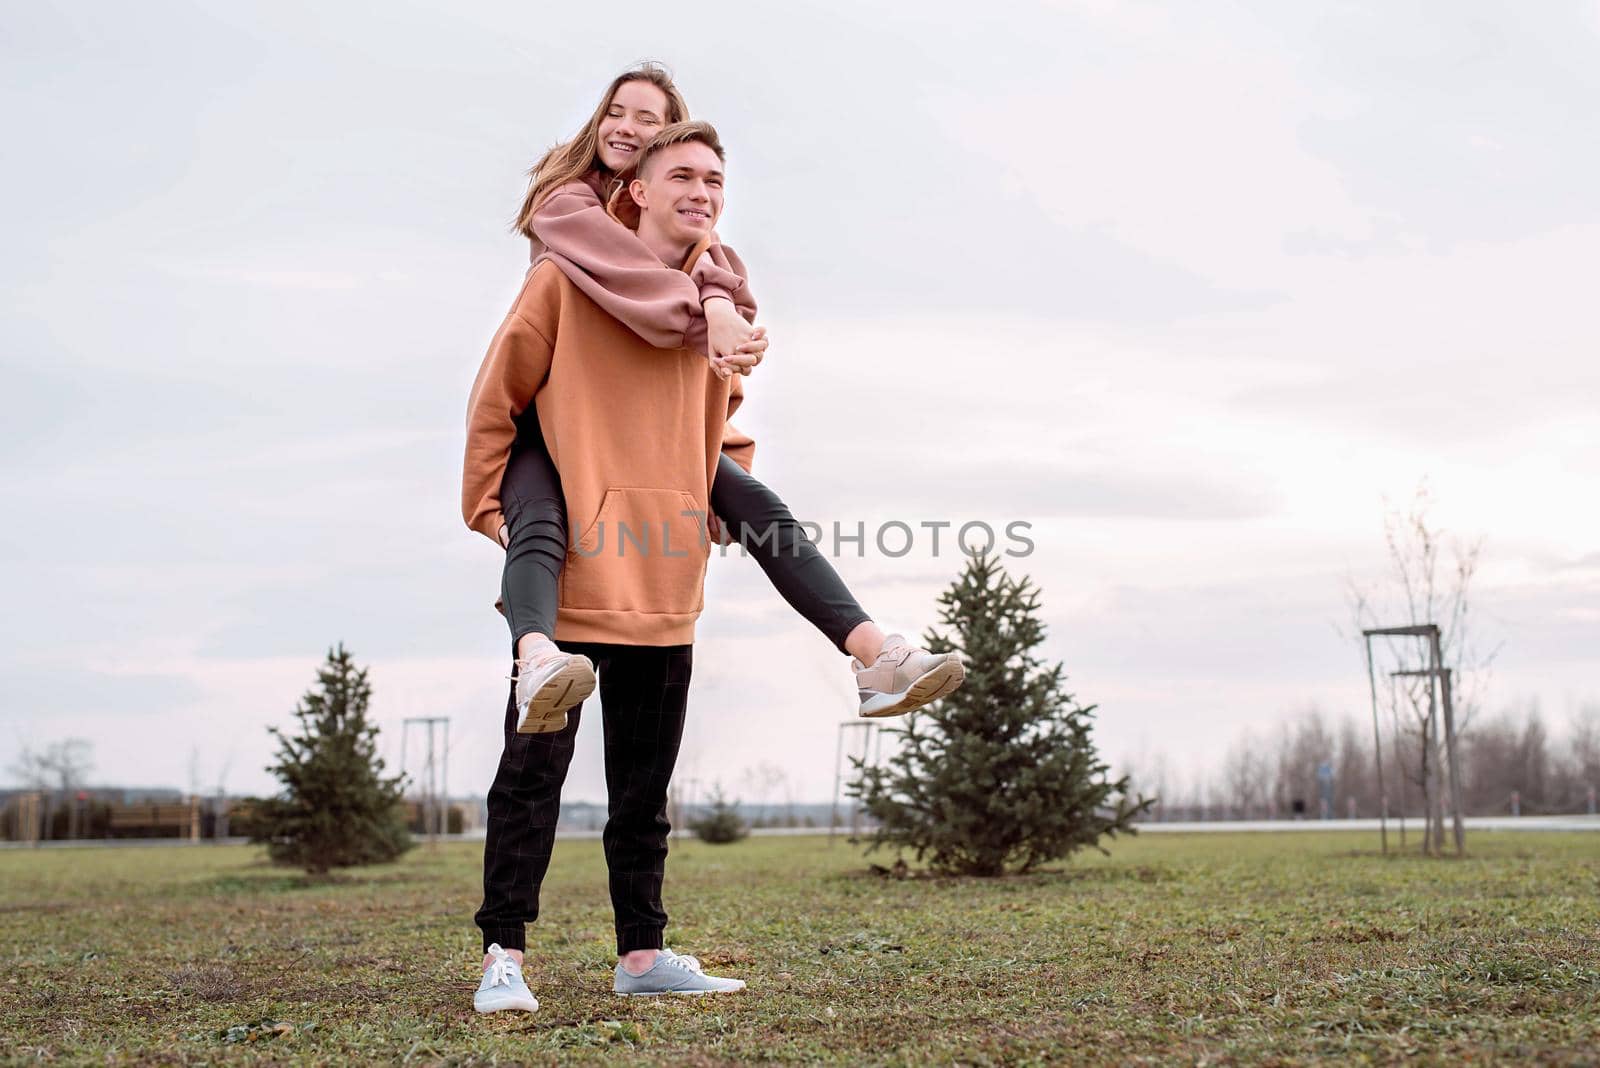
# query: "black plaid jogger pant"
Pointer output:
{"type": "Point", "coordinates": [644, 692]}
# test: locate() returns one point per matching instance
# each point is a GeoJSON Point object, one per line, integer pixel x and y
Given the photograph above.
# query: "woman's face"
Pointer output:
{"type": "Point", "coordinates": [637, 112]}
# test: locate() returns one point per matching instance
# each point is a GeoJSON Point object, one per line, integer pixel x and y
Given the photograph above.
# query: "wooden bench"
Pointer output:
{"type": "Point", "coordinates": [154, 818]}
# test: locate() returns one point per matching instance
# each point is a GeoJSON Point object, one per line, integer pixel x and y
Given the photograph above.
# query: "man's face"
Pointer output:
{"type": "Point", "coordinates": [680, 193]}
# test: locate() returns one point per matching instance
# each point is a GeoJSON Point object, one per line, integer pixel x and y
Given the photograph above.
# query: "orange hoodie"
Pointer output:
{"type": "Point", "coordinates": [635, 433]}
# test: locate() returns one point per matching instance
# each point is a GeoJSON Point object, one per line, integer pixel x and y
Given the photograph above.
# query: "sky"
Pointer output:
{"type": "Point", "coordinates": [1191, 289]}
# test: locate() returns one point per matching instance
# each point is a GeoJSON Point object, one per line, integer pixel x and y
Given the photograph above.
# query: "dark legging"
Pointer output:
{"type": "Point", "coordinates": [755, 517]}
{"type": "Point", "coordinates": [536, 530]}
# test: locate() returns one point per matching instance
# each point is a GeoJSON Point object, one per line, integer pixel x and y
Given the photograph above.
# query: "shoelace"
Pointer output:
{"type": "Point", "coordinates": [688, 960]}
{"type": "Point", "coordinates": [895, 655]}
{"type": "Point", "coordinates": [525, 666]}
{"type": "Point", "coordinates": [504, 969]}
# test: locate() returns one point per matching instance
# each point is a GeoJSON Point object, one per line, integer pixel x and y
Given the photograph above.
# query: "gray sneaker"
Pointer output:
{"type": "Point", "coordinates": [673, 973]}
{"type": "Point", "coordinates": [905, 678]}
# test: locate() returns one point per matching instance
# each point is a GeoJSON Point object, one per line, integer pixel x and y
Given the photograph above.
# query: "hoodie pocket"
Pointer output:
{"type": "Point", "coordinates": [644, 551]}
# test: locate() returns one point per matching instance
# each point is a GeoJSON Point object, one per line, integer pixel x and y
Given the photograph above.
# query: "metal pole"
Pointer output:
{"type": "Point", "coordinates": [855, 804]}
{"type": "Point", "coordinates": [1436, 795]}
{"type": "Point", "coordinates": [1377, 753]}
{"type": "Point", "coordinates": [1394, 728]}
{"type": "Point", "coordinates": [424, 808]}
{"type": "Point", "coordinates": [838, 773]}
{"type": "Point", "coordinates": [1450, 749]}
{"type": "Point", "coordinates": [433, 792]}
{"type": "Point", "coordinates": [428, 783]}
{"type": "Point", "coordinates": [444, 778]}
{"type": "Point", "coordinates": [877, 745]}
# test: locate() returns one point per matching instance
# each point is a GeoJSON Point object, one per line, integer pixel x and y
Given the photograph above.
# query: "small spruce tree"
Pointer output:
{"type": "Point", "coordinates": [1002, 774]}
{"type": "Point", "coordinates": [337, 808]}
{"type": "Point", "coordinates": [722, 824]}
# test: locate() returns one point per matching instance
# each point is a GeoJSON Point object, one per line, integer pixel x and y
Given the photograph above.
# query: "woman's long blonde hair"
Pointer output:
{"type": "Point", "coordinates": [572, 159]}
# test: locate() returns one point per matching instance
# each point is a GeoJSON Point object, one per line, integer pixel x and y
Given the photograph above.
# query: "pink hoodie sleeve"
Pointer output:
{"type": "Point", "coordinates": [719, 272]}
{"type": "Point", "coordinates": [613, 268]}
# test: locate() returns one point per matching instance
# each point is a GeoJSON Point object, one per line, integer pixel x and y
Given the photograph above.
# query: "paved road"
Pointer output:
{"type": "Point", "coordinates": [1473, 823]}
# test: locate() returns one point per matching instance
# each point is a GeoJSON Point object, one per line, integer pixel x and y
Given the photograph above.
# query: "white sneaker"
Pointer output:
{"type": "Point", "coordinates": [502, 987]}
{"type": "Point", "coordinates": [547, 686]}
{"type": "Point", "coordinates": [905, 678]}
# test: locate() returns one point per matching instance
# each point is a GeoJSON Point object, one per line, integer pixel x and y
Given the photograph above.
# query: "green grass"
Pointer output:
{"type": "Point", "coordinates": [1216, 949]}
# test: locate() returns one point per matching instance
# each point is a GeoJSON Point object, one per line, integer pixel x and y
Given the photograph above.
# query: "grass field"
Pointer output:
{"type": "Point", "coordinates": [1216, 949]}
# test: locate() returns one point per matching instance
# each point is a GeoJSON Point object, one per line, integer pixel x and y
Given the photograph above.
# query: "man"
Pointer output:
{"type": "Point", "coordinates": [636, 434]}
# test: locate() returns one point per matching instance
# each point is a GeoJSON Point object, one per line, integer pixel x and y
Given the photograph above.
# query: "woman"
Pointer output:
{"type": "Point", "coordinates": [565, 217]}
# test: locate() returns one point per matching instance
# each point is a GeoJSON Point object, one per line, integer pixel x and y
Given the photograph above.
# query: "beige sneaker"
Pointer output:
{"type": "Point", "coordinates": [905, 678]}
{"type": "Point", "coordinates": [547, 686]}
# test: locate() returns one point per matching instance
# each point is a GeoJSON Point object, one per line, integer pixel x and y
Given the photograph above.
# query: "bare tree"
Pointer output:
{"type": "Point", "coordinates": [1245, 777]}
{"type": "Point", "coordinates": [763, 784]}
{"type": "Point", "coordinates": [1355, 776]}
{"type": "Point", "coordinates": [785, 787]}
{"type": "Point", "coordinates": [28, 768]}
{"type": "Point", "coordinates": [1492, 760]}
{"type": "Point", "coordinates": [1150, 776]}
{"type": "Point", "coordinates": [63, 766]}
{"type": "Point", "coordinates": [1303, 744]}
{"type": "Point", "coordinates": [1509, 752]}
{"type": "Point", "coordinates": [221, 802]}
{"type": "Point", "coordinates": [1422, 586]}
{"type": "Point", "coordinates": [59, 770]}
{"type": "Point", "coordinates": [1580, 771]}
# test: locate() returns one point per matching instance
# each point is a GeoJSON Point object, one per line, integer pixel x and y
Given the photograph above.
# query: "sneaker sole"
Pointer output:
{"type": "Point", "coordinates": [567, 688]}
{"type": "Point", "coordinates": [506, 1008]}
{"type": "Point", "coordinates": [672, 993]}
{"type": "Point", "coordinates": [942, 681]}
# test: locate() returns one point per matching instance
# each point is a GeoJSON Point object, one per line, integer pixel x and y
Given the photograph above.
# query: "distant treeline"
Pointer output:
{"type": "Point", "coordinates": [1510, 763]}
{"type": "Point", "coordinates": [114, 812]}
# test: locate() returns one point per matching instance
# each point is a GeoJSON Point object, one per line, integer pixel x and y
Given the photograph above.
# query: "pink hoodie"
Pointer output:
{"type": "Point", "coordinates": [612, 267]}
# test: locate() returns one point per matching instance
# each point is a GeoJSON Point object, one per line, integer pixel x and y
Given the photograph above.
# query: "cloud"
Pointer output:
{"type": "Point", "coordinates": [54, 698]}
{"type": "Point", "coordinates": [1027, 488]}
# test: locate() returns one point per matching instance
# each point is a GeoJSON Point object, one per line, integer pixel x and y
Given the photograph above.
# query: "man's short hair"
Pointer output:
{"type": "Point", "coordinates": [681, 133]}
